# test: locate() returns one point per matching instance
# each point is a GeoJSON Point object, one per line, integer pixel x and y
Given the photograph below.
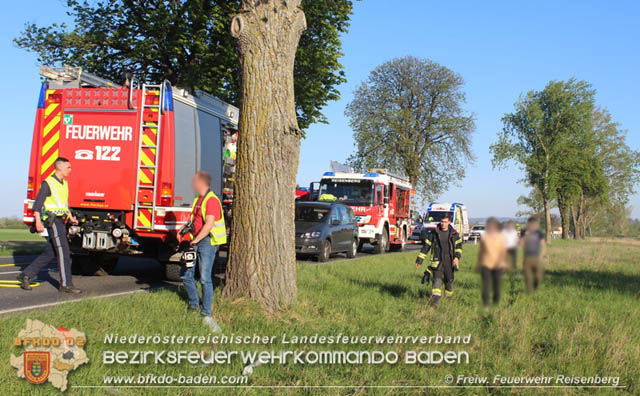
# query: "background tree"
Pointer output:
{"type": "Point", "coordinates": [579, 176]}
{"type": "Point", "coordinates": [187, 42]}
{"type": "Point", "coordinates": [538, 134]}
{"type": "Point", "coordinates": [532, 202]}
{"type": "Point", "coordinates": [262, 263]}
{"type": "Point", "coordinates": [408, 117]}
{"type": "Point", "coordinates": [604, 191]}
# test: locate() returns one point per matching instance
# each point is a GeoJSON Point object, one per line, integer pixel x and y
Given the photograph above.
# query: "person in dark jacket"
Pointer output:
{"type": "Point", "coordinates": [445, 246]}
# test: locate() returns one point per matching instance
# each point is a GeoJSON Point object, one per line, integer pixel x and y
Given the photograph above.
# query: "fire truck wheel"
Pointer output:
{"type": "Point", "coordinates": [172, 271]}
{"type": "Point", "coordinates": [353, 250]}
{"type": "Point", "coordinates": [398, 247]}
{"type": "Point", "coordinates": [325, 251]}
{"type": "Point", "coordinates": [107, 265]}
{"type": "Point", "coordinates": [382, 245]}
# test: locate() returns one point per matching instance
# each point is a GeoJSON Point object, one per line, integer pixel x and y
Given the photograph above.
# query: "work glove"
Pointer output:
{"type": "Point", "coordinates": [426, 276]}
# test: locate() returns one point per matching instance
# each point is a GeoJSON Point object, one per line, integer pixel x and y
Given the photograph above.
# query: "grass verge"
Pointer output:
{"type": "Point", "coordinates": [19, 241]}
{"type": "Point", "coordinates": [583, 322]}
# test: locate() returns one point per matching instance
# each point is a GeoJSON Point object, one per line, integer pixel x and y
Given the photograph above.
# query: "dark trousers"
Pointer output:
{"type": "Point", "coordinates": [443, 275]}
{"type": "Point", "coordinates": [489, 277]}
{"type": "Point", "coordinates": [57, 247]}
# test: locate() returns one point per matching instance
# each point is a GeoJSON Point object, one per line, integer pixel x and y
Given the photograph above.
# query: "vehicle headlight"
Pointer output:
{"type": "Point", "coordinates": [363, 219]}
{"type": "Point", "coordinates": [311, 235]}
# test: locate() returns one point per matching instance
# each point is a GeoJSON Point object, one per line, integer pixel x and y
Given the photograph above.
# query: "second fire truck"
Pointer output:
{"type": "Point", "coordinates": [381, 202]}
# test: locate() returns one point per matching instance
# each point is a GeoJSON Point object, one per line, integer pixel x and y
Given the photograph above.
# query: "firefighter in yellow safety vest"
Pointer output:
{"type": "Point", "coordinates": [51, 211]}
{"type": "Point", "coordinates": [208, 232]}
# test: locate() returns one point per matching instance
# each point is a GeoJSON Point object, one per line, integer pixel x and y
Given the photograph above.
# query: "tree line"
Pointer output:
{"type": "Point", "coordinates": [575, 157]}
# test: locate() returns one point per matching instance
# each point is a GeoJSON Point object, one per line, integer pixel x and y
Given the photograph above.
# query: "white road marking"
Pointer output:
{"type": "Point", "coordinates": [10, 272]}
{"type": "Point", "coordinates": [7, 311]}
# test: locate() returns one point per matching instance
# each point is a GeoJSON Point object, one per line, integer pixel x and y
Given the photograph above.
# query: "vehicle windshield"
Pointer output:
{"type": "Point", "coordinates": [478, 227]}
{"type": "Point", "coordinates": [435, 217]}
{"type": "Point", "coordinates": [350, 192]}
{"type": "Point", "coordinates": [311, 214]}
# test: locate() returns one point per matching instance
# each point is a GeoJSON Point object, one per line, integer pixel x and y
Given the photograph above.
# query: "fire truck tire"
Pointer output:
{"type": "Point", "coordinates": [325, 251]}
{"type": "Point", "coordinates": [382, 246]}
{"type": "Point", "coordinates": [172, 271]}
{"type": "Point", "coordinates": [107, 265]}
{"type": "Point", "coordinates": [353, 250]}
{"type": "Point", "coordinates": [398, 247]}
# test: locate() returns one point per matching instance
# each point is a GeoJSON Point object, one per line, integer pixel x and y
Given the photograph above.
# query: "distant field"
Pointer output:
{"type": "Point", "coordinates": [20, 242]}
{"type": "Point", "coordinates": [583, 321]}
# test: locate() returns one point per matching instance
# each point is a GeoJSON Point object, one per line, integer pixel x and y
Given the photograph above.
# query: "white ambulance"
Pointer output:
{"type": "Point", "coordinates": [459, 217]}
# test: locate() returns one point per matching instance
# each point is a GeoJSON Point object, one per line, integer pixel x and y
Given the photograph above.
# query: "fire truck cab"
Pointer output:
{"type": "Point", "coordinates": [380, 201]}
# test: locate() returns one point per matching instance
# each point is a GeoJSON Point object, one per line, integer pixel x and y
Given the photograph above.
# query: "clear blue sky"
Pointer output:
{"type": "Point", "coordinates": [501, 49]}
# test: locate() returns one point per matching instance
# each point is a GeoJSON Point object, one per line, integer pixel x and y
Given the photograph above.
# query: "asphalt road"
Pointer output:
{"type": "Point", "coordinates": [131, 275]}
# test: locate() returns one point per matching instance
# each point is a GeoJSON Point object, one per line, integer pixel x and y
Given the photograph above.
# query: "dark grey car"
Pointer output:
{"type": "Point", "coordinates": [323, 228]}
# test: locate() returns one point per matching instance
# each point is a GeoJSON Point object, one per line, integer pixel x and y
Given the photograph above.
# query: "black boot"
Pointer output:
{"type": "Point", "coordinates": [24, 282]}
{"type": "Point", "coordinates": [69, 289]}
{"type": "Point", "coordinates": [434, 301]}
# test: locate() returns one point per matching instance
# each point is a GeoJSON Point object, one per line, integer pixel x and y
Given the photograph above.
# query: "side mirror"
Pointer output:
{"type": "Point", "coordinates": [335, 222]}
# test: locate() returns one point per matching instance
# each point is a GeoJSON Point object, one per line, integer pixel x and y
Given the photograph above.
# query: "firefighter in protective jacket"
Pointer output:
{"type": "Point", "coordinates": [445, 246]}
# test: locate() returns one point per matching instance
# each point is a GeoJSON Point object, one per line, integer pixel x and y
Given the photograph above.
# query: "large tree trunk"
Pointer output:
{"type": "Point", "coordinates": [262, 263]}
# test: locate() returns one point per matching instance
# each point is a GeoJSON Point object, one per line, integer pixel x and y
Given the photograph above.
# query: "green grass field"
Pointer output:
{"type": "Point", "coordinates": [584, 321]}
{"type": "Point", "coordinates": [20, 241]}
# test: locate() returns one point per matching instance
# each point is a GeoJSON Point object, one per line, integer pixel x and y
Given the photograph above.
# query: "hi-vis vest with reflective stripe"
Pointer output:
{"type": "Point", "coordinates": [58, 201]}
{"type": "Point", "coordinates": [218, 234]}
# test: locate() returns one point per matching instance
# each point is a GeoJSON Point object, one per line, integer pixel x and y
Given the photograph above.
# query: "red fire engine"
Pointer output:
{"type": "Point", "coordinates": [134, 150]}
{"type": "Point", "coordinates": [381, 202]}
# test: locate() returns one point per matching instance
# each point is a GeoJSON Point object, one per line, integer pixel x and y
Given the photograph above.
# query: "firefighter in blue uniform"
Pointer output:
{"type": "Point", "coordinates": [445, 246]}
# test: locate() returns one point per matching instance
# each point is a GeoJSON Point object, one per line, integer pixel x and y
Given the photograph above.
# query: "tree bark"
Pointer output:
{"type": "Point", "coordinates": [564, 217]}
{"type": "Point", "coordinates": [574, 221]}
{"type": "Point", "coordinates": [262, 262]}
{"type": "Point", "coordinates": [547, 211]}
